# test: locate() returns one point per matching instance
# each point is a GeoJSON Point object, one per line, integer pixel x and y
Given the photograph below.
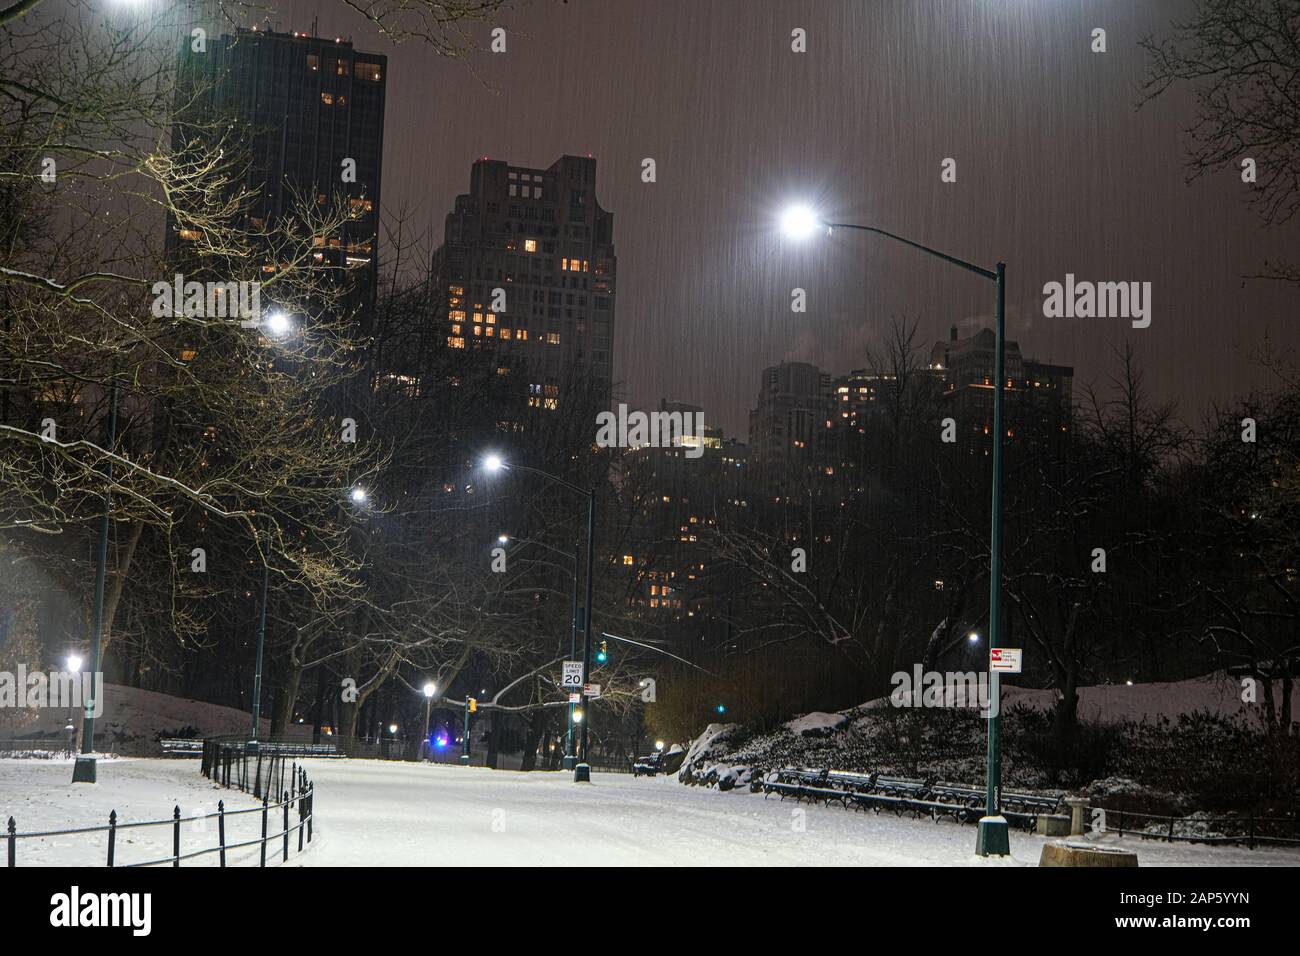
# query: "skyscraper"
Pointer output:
{"type": "Point", "coordinates": [311, 111]}
{"type": "Point", "coordinates": [527, 268]}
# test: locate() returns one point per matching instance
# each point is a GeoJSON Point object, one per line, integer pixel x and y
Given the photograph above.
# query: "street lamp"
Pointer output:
{"type": "Point", "coordinates": [494, 463]}
{"type": "Point", "coordinates": [84, 768]}
{"type": "Point", "coordinates": [278, 324]}
{"type": "Point", "coordinates": [972, 637]}
{"type": "Point", "coordinates": [358, 495]}
{"type": "Point", "coordinates": [800, 222]}
{"type": "Point", "coordinates": [430, 689]}
{"type": "Point", "coordinates": [74, 666]}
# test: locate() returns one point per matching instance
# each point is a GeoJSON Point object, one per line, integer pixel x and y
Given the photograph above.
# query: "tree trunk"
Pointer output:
{"type": "Point", "coordinates": [494, 730]}
{"type": "Point", "coordinates": [282, 716]}
{"type": "Point", "coordinates": [536, 728]}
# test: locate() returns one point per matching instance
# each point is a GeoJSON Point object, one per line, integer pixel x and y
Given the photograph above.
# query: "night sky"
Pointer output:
{"type": "Point", "coordinates": [1057, 171]}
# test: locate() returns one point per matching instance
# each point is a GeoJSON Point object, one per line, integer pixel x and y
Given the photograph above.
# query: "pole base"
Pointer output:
{"type": "Point", "coordinates": [569, 762]}
{"type": "Point", "coordinates": [994, 837]}
{"type": "Point", "coordinates": [582, 773]}
{"type": "Point", "coordinates": [464, 760]}
{"type": "Point", "coordinates": [84, 770]}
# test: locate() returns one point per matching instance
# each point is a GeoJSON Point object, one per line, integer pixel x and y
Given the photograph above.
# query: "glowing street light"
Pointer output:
{"type": "Point", "coordinates": [493, 463]}
{"type": "Point", "coordinates": [799, 222]}
{"type": "Point", "coordinates": [74, 663]}
{"type": "Point", "coordinates": [503, 539]}
{"type": "Point", "coordinates": [659, 745]}
{"type": "Point", "coordinates": [972, 637]}
{"type": "Point", "coordinates": [358, 496]}
{"type": "Point", "coordinates": [278, 324]}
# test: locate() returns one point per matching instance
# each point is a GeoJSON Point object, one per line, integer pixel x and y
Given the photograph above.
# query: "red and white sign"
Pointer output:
{"type": "Point", "coordinates": [1005, 660]}
{"type": "Point", "coordinates": [591, 690]}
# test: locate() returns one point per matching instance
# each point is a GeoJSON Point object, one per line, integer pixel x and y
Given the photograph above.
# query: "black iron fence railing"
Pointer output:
{"type": "Point", "coordinates": [297, 798]}
{"type": "Point", "coordinates": [1239, 828]}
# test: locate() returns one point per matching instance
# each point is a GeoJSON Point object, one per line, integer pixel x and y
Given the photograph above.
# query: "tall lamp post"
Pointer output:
{"type": "Point", "coordinates": [84, 770]}
{"type": "Point", "coordinates": [582, 770]}
{"type": "Point", "coordinates": [569, 760]}
{"type": "Point", "coordinates": [430, 689]}
{"type": "Point", "coordinates": [800, 222]}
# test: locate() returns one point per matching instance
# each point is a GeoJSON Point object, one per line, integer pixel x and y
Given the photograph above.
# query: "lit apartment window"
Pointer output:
{"type": "Point", "coordinates": [455, 341]}
{"type": "Point", "coordinates": [552, 338]}
{"type": "Point", "coordinates": [313, 62]}
{"type": "Point", "coordinates": [188, 355]}
{"type": "Point", "coordinates": [491, 318]}
{"type": "Point", "coordinates": [190, 234]}
{"type": "Point", "coordinates": [627, 559]}
{"type": "Point", "coordinates": [455, 329]}
{"type": "Point", "coordinates": [341, 67]}
{"type": "Point", "coordinates": [530, 245]}
{"type": "Point", "coordinates": [361, 205]}
{"type": "Point", "coordinates": [368, 71]}
{"type": "Point", "coordinates": [505, 333]}
{"type": "Point", "coordinates": [523, 334]}
{"type": "Point", "coordinates": [456, 315]}
{"type": "Point", "coordinates": [327, 98]}
{"type": "Point", "coordinates": [478, 330]}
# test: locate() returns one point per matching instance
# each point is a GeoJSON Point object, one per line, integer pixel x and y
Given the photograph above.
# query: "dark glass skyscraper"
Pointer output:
{"type": "Point", "coordinates": [312, 109]}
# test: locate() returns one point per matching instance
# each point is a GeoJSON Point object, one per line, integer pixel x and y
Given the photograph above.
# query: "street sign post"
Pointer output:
{"type": "Point", "coordinates": [591, 690]}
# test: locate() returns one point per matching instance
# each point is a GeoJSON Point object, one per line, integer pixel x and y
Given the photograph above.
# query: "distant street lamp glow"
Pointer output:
{"type": "Point", "coordinates": [358, 496]}
{"type": "Point", "coordinates": [503, 538]}
{"type": "Point", "coordinates": [278, 324]}
{"type": "Point", "coordinates": [577, 715]}
{"type": "Point", "coordinates": [392, 728]}
{"type": "Point", "coordinates": [973, 637]}
{"type": "Point", "coordinates": [659, 745]}
{"type": "Point", "coordinates": [493, 463]}
{"type": "Point", "coordinates": [74, 663]}
{"type": "Point", "coordinates": [799, 222]}
{"type": "Point", "coordinates": [430, 689]}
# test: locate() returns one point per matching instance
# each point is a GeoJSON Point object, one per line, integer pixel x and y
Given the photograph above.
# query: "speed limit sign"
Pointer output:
{"type": "Point", "coordinates": [572, 679]}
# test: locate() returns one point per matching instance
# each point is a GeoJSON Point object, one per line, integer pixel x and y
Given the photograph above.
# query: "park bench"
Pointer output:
{"type": "Point", "coordinates": [181, 746]}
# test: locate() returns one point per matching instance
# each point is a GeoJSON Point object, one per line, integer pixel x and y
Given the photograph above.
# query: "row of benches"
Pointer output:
{"type": "Point", "coordinates": [917, 797]}
{"type": "Point", "coordinates": [193, 747]}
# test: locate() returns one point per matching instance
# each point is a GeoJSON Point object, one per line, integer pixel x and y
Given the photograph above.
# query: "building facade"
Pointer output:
{"type": "Point", "coordinates": [311, 111]}
{"type": "Point", "coordinates": [527, 269]}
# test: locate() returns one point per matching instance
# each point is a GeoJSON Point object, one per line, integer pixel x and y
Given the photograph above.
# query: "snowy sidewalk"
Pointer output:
{"type": "Point", "coordinates": [40, 796]}
{"type": "Point", "coordinates": [425, 815]}
{"type": "Point", "coordinates": [379, 813]}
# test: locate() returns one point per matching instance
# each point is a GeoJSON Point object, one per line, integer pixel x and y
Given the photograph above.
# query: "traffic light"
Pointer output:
{"type": "Point", "coordinates": [602, 654]}
{"type": "Point", "coordinates": [473, 704]}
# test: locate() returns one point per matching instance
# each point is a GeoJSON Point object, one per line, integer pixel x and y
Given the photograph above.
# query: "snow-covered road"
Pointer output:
{"type": "Point", "coordinates": [377, 813]}
{"type": "Point", "coordinates": [421, 814]}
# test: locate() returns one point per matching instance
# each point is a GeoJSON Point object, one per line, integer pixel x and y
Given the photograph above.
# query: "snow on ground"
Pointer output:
{"type": "Point", "coordinates": [40, 796]}
{"type": "Point", "coordinates": [406, 814]}
{"type": "Point", "coordinates": [425, 815]}
{"type": "Point", "coordinates": [816, 722]}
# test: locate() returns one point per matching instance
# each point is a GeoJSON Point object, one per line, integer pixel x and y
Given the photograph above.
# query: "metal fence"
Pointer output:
{"type": "Point", "coordinates": [299, 796]}
{"type": "Point", "coordinates": [1244, 828]}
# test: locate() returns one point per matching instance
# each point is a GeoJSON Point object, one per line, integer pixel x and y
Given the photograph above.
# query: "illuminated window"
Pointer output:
{"type": "Point", "coordinates": [552, 338]}
{"type": "Point", "coordinates": [456, 315]}
{"type": "Point", "coordinates": [455, 329]}
{"type": "Point", "coordinates": [627, 559]}
{"type": "Point", "coordinates": [478, 330]}
{"type": "Point", "coordinates": [491, 318]}
{"type": "Point", "coordinates": [455, 342]}
{"type": "Point", "coordinates": [313, 62]}
{"type": "Point", "coordinates": [361, 205]}
{"type": "Point", "coordinates": [522, 334]}
{"type": "Point", "coordinates": [188, 355]}
{"type": "Point", "coordinates": [530, 245]}
{"type": "Point", "coordinates": [190, 234]}
{"type": "Point", "coordinates": [341, 67]}
{"type": "Point", "coordinates": [505, 333]}
{"type": "Point", "coordinates": [327, 98]}
{"type": "Point", "coordinates": [368, 71]}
